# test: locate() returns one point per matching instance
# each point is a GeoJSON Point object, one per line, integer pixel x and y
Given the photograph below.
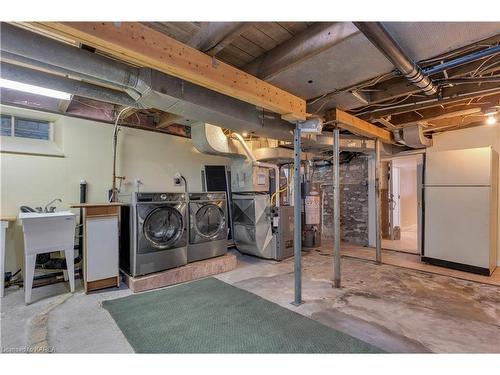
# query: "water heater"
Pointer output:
{"type": "Point", "coordinates": [311, 214]}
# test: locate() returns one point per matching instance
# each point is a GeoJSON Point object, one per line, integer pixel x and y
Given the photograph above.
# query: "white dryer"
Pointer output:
{"type": "Point", "coordinates": [207, 225]}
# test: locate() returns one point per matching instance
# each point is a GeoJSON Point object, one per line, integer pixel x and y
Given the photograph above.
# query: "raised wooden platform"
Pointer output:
{"type": "Point", "coordinates": [190, 271]}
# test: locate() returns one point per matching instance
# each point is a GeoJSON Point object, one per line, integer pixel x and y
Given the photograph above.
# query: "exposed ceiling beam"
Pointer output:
{"type": "Point", "coordinates": [63, 105]}
{"type": "Point", "coordinates": [358, 126]}
{"type": "Point", "coordinates": [167, 119]}
{"type": "Point", "coordinates": [312, 41]}
{"type": "Point", "coordinates": [440, 112]}
{"type": "Point", "coordinates": [396, 87]}
{"type": "Point", "coordinates": [460, 122]}
{"type": "Point", "coordinates": [213, 37]}
{"type": "Point", "coordinates": [129, 111]}
{"type": "Point", "coordinates": [138, 44]}
{"type": "Point", "coordinates": [450, 95]}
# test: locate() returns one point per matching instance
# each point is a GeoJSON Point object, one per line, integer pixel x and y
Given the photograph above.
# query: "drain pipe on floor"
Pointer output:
{"type": "Point", "coordinates": [261, 164]}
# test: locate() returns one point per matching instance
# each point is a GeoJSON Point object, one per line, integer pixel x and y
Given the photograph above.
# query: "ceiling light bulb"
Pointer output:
{"type": "Point", "coordinates": [13, 85]}
{"type": "Point", "coordinates": [244, 134]}
{"type": "Point", "coordinates": [491, 120]}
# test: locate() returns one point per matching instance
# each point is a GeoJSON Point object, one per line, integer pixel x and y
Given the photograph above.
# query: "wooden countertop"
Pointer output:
{"type": "Point", "coordinates": [107, 204]}
{"type": "Point", "coordinates": [8, 218]}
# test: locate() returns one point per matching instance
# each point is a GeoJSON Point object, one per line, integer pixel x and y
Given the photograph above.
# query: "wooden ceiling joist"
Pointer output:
{"type": "Point", "coordinates": [168, 119]}
{"type": "Point", "coordinates": [358, 126]}
{"type": "Point", "coordinates": [143, 46]}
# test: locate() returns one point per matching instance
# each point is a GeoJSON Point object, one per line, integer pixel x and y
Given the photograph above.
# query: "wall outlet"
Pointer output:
{"type": "Point", "coordinates": [177, 179]}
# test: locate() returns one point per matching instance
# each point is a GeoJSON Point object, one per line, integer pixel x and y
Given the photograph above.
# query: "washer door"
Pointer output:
{"type": "Point", "coordinates": [163, 227]}
{"type": "Point", "coordinates": [210, 221]}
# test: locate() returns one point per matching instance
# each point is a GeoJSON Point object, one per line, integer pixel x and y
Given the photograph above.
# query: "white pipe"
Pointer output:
{"type": "Point", "coordinates": [261, 164]}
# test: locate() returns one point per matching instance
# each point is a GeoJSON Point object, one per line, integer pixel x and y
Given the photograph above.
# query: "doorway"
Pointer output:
{"type": "Point", "coordinates": [400, 203]}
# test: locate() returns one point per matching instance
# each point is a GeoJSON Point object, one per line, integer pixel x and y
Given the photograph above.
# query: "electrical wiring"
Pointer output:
{"type": "Point", "coordinates": [488, 67]}
{"type": "Point", "coordinates": [350, 88]}
{"type": "Point", "coordinates": [279, 191]}
{"type": "Point", "coordinates": [387, 104]}
{"type": "Point", "coordinates": [482, 64]}
{"type": "Point", "coordinates": [454, 53]}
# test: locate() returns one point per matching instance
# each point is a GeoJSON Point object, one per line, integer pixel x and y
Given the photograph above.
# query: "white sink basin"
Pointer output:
{"type": "Point", "coordinates": [36, 215]}
{"type": "Point", "coordinates": [48, 231]}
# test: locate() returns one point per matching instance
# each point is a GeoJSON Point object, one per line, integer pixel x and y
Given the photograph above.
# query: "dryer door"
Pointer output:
{"type": "Point", "coordinates": [162, 228]}
{"type": "Point", "coordinates": [209, 221]}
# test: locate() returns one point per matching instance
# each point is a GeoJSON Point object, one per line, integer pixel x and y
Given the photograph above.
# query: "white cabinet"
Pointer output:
{"type": "Point", "coordinates": [102, 247]}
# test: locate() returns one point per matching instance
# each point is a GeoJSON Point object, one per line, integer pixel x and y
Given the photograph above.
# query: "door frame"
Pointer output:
{"type": "Point", "coordinates": [420, 155]}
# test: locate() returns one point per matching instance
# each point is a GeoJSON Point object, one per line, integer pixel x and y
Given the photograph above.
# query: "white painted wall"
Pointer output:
{"type": "Point", "coordinates": [34, 180]}
{"type": "Point", "coordinates": [481, 136]}
{"type": "Point", "coordinates": [408, 190]}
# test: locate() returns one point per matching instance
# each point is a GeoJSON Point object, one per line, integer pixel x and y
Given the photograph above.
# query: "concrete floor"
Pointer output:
{"type": "Point", "coordinates": [396, 309]}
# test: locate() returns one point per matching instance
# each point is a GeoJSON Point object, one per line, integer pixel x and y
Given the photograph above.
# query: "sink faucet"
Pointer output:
{"type": "Point", "coordinates": [49, 208]}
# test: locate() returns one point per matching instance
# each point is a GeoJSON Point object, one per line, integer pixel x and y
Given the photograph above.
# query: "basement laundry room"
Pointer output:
{"type": "Point", "coordinates": [270, 187]}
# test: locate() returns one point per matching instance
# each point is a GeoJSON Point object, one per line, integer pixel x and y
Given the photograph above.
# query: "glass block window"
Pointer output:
{"type": "Point", "coordinates": [6, 125]}
{"type": "Point", "coordinates": [35, 129]}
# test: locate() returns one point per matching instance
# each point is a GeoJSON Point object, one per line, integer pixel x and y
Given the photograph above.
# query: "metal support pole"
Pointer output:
{"type": "Point", "coordinates": [297, 226]}
{"type": "Point", "coordinates": [378, 205]}
{"type": "Point", "coordinates": [336, 210]}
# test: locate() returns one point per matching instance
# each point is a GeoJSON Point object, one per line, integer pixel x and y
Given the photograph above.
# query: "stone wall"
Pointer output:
{"type": "Point", "coordinates": [353, 200]}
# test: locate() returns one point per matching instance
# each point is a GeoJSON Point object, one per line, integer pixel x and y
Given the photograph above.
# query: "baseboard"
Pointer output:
{"type": "Point", "coordinates": [457, 266]}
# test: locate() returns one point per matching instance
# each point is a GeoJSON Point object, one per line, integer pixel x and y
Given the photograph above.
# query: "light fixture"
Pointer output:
{"type": "Point", "coordinates": [244, 134]}
{"type": "Point", "coordinates": [14, 85]}
{"type": "Point", "coordinates": [491, 120]}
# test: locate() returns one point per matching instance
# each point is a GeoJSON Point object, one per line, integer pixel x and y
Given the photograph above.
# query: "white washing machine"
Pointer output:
{"type": "Point", "coordinates": [207, 225]}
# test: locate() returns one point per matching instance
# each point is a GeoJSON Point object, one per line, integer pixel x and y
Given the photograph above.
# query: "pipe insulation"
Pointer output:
{"type": "Point", "coordinates": [380, 38]}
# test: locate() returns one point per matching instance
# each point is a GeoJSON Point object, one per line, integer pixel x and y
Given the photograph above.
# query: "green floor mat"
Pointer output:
{"type": "Point", "coordinates": [210, 316]}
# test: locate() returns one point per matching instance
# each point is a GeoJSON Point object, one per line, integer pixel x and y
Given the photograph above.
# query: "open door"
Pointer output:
{"type": "Point", "coordinates": [394, 201]}
{"type": "Point", "coordinates": [420, 202]}
{"type": "Point", "coordinates": [403, 204]}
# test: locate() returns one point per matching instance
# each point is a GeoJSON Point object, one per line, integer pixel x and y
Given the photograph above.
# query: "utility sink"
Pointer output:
{"type": "Point", "coordinates": [47, 231]}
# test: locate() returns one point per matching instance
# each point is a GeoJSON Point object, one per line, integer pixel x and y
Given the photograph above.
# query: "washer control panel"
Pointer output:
{"type": "Point", "coordinates": [160, 197]}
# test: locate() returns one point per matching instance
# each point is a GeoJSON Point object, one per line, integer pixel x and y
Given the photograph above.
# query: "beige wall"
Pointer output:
{"type": "Point", "coordinates": [35, 180]}
{"type": "Point", "coordinates": [408, 192]}
{"type": "Point", "coordinates": [481, 136]}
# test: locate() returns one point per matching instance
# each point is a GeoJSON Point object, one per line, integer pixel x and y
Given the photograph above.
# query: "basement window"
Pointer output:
{"type": "Point", "coordinates": [21, 135]}
{"type": "Point", "coordinates": [26, 128]}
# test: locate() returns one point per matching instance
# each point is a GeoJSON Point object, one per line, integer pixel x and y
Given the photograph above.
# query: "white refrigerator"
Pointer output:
{"type": "Point", "coordinates": [461, 209]}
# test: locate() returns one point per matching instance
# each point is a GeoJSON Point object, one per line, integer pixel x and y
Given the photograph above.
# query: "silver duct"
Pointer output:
{"type": "Point", "coordinates": [83, 89]}
{"type": "Point", "coordinates": [413, 136]}
{"type": "Point", "coordinates": [81, 63]}
{"type": "Point", "coordinates": [380, 38]}
{"type": "Point", "coordinates": [150, 88]}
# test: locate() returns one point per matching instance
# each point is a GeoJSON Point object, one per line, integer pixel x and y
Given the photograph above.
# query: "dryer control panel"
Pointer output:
{"type": "Point", "coordinates": [159, 197]}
